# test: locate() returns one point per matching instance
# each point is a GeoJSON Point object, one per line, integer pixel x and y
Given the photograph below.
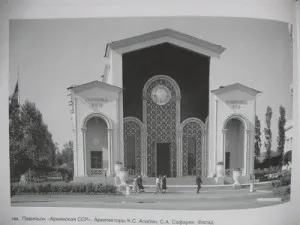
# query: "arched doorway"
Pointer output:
{"type": "Point", "coordinates": [161, 117]}
{"type": "Point", "coordinates": [234, 144]}
{"type": "Point", "coordinates": [96, 146]}
{"type": "Point", "coordinates": [132, 144]}
{"type": "Point", "coordinates": [192, 146]}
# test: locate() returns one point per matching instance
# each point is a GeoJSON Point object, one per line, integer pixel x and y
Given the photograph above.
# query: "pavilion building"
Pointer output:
{"type": "Point", "coordinates": [156, 111]}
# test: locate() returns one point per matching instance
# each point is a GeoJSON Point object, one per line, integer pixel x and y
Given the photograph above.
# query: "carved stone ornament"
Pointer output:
{"type": "Point", "coordinates": [160, 94]}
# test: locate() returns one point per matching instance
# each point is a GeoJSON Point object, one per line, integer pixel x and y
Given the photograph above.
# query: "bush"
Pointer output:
{"type": "Point", "coordinates": [275, 161]}
{"type": "Point", "coordinates": [66, 174]}
{"type": "Point", "coordinates": [88, 188]}
{"type": "Point", "coordinates": [287, 158]}
{"type": "Point", "coordinates": [283, 179]}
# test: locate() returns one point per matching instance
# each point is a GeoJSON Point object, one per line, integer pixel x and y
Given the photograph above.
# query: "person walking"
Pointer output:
{"type": "Point", "coordinates": [198, 182]}
{"type": "Point", "coordinates": [164, 184]}
{"type": "Point", "coordinates": [140, 184]}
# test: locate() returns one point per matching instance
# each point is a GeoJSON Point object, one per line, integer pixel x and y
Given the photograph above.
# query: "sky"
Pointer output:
{"type": "Point", "coordinates": [53, 54]}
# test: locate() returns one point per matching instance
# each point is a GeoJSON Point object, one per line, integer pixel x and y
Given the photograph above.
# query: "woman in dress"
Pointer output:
{"type": "Point", "coordinates": [157, 185]}
{"type": "Point", "coordinates": [164, 184]}
{"type": "Point", "coordinates": [135, 187]}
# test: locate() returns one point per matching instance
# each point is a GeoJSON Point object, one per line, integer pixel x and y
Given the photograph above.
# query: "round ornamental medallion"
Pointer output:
{"type": "Point", "coordinates": [161, 95]}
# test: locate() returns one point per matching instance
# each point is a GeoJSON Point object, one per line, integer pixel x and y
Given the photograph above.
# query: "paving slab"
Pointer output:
{"type": "Point", "coordinates": [206, 200]}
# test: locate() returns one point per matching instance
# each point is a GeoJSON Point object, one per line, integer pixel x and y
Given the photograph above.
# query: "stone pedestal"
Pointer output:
{"type": "Point", "coordinates": [220, 170]}
{"type": "Point", "coordinates": [236, 174]}
{"type": "Point", "coordinates": [251, 187]}
{"type": "Point", "coordinates": [220, 180]}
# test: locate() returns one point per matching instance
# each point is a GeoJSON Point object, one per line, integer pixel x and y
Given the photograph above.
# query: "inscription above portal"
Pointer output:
{"type": "Point", "coordinates": [160, 94]}
{"type": "Point", "coordinates": [96, 102]}
{"type": "Point", "coordinates": [235, 105]}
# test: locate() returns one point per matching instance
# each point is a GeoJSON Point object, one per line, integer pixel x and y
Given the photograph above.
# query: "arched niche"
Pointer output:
{"type": "Point", "coordinates": [97, 138]}
{"type": "Point", "coordinates": [236, 143]}
{"type": "Point", "coordinates": [133, 131]}
{"type": "Point", "coordinates": [193, 134]}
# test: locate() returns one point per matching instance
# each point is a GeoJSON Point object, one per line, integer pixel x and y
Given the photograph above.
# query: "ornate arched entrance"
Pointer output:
{"type": "Point", "coordinates": [132, 144]}
{"type": "Point", "coordinates": [192, 146]}
{"type": "Point", "coordinates": [161, 117]}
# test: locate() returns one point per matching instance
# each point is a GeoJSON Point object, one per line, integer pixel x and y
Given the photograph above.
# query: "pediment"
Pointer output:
{"type": "Point", "coordinates": [165, 36]}
{"type": "Point", "coordinates": [96, 93]}
{"type": "Point", "coordinates": [236, 93]}
{"type": "Point", "coordinates": [96, 85]}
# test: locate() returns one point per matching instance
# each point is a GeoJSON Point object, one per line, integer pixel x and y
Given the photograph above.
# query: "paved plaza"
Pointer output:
{"type": "Point", "coordinates": [208, 199]}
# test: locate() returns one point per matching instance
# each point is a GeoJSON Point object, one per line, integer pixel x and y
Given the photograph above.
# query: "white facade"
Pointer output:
{"type": "Point", "coordinates": [104, 100]}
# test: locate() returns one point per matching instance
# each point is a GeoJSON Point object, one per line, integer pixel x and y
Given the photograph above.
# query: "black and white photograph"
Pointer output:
{"type": "Point", "coordinates": [164, 113]}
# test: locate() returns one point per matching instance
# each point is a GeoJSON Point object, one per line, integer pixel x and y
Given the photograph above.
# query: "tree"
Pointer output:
{"type": "Point", "coordinates": [287, 158]}
{"type": "Point", "coordinates": [67, 155]}
{"type": "Point", "coordinates": [268, 133]}
{"type": "Point", "coordinates": [257, 137]}
{"type": "Point", "coordinates": [18, 159]}
{"type": "Point", "coordinates": [65, 161]}
{"type": "Point", "coordinates": [31, 144]}
{"type": "Point", "coordinates": [281, 131]}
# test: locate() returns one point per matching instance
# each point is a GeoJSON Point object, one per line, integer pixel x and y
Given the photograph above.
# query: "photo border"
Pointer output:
{"type": "Point", "coordinates": [263, 9]}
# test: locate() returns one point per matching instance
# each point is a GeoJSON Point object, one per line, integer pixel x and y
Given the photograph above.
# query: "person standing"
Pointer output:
{"type": "Point", "coordinates": [164, 184]}
{"type": "Point", "coordinates": [157, 185]}
{"type": "Point", "coordinates": [135, 187]}
{"type": "Point", "coordinates": [198, 182]}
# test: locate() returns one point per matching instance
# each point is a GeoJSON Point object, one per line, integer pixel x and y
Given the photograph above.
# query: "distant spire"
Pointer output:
{"type": "Point", "coordinates": [17, 88]}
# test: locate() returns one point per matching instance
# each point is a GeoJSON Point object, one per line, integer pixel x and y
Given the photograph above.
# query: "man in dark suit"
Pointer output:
{"type": "Point", "coordinates": [198, 182]}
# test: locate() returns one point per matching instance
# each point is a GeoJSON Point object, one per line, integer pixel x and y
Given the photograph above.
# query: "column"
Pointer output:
{"type": "Point", "coordinates": [179, 154]}
{"type": "Point", "coordinates": [76, 136]}
{"type": "Point", "coordinates": [216, 138]}
{"type": "Point", "coordinates": [120, 128]}
{"type": "Point", "coordinates": [224, 131]}
{"type": "Point", "coordinates": [110, 152]}
{"type": "Point", "coordinates": [145, 145]}
{"type": "Point", "coordinates": [178, 138]}
{"type": "Point", "coordinates": [203, 154]}
{"type": "Point", "coordinates": [84, 151]}
{"type": "Point", "coordinates": [248, 153]}
{"type": "Point", "coordinates": [75, 160]}
{"type": "Point", "coordinates": [144, 153]}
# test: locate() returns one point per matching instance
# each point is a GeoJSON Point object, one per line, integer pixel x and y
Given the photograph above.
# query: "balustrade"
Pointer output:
{"type": "Point", "coordinates": [98, 172]}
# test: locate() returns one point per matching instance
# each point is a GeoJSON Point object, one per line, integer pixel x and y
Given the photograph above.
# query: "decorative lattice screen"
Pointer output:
{"type": "Point", "coordinates": [132, 129]}
{"type": "Point", "coordinates": [192, 129]}
{"type": "Point", "coordinates": [161, 125]}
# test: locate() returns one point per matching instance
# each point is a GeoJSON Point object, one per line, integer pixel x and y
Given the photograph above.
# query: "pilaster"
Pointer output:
{"type": "Point", "coordinates": [111, 156]}
{"type": "Point", "coordinates": [84, 151]}
{"type": "Point", "coordinates": [224, 131]}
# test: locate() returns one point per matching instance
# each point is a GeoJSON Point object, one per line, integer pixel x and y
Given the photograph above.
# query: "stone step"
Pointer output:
{"type": "Point", "coordinates": [178, 182]}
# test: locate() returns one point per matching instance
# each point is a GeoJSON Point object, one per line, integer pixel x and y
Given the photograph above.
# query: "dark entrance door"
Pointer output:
{"type": "Point", "coordinates": [163, 159]}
